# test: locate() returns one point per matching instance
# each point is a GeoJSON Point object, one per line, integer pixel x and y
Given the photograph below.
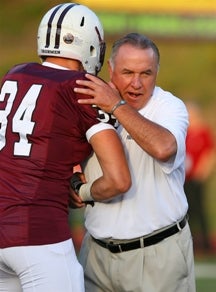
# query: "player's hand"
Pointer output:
{"type": "Point", "coordinates": [74, 200]}
{"type": "Point", "coordinates": [105, 95]}
{"type": "Point", "coordinates": [76, 181]}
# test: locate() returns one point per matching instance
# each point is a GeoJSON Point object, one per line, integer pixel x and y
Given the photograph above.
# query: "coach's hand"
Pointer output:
{"type": "Point", "coordinates": [96, 88]}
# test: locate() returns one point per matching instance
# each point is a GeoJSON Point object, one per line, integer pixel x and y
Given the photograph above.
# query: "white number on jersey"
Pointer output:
{"type": "Point", "coordinates": [21, 122]}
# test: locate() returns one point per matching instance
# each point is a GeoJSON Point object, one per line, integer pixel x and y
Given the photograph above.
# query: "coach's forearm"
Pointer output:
{"type": "Point", "coordinates": [152, 138]}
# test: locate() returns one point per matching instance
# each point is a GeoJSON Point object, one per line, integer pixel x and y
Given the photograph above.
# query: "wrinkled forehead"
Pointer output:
{"type": "Point", "coordinates": [128, 54]}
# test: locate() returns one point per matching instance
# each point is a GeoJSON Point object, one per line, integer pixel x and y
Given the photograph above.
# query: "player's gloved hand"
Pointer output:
{"type": "Point", "coordinates": [76, 184]}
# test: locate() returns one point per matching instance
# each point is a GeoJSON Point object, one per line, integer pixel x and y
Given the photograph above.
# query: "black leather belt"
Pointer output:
{"type": "Point", "coordinates": [142, 242]}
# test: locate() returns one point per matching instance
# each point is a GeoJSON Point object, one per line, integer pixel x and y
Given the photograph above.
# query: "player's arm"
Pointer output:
{"type": "Point", "coordinates": [111, 156]}
{"type": "Point", "coordinates": [115, 178]}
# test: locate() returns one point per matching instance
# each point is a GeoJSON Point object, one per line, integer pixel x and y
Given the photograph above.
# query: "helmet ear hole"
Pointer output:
{"type": "Point", "coordinates": [92, 51]}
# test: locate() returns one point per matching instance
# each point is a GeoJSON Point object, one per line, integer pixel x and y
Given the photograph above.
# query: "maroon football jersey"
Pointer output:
{"type": "Point", "coordinates": [42, 136]}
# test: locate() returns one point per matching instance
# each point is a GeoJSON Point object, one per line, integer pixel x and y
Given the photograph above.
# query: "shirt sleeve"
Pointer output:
{"type": "Point", "coordinates": [97, 128]}
{"type": "Point", "coordinates": [173, 116]}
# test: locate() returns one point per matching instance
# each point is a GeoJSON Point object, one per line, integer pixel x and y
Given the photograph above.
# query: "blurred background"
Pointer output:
{"type": "Point", "coordinates": [185, 32]}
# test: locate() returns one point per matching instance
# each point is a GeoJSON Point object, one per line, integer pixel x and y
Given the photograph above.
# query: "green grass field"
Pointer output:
{"type": "Point", "coordinates": [206, 285]}
{"type": "Point", "coordinates": [205, 276]}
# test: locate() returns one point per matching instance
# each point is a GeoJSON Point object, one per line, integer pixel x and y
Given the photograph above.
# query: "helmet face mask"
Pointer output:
{"type": "Point", "coordinates": [72, 31]}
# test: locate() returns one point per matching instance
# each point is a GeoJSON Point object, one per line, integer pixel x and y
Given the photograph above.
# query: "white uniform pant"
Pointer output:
{"type": "Point", "coordinates": [42, 268]}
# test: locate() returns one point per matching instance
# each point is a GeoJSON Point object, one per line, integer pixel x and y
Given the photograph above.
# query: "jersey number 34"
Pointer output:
{"type": "Point", "coordinates": [22, 120]}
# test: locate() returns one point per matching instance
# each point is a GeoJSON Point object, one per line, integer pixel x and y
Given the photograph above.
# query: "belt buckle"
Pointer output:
{"type": "Point", "coordinates": [114, 248]}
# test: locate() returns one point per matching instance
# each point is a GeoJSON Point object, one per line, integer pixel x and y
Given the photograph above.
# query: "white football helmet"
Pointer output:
{"type": "Point", "coordinates": [72, 31]}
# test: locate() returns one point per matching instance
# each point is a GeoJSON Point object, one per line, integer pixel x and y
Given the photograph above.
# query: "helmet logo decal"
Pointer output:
{"type": "Point", "coordinates": [68, 38]}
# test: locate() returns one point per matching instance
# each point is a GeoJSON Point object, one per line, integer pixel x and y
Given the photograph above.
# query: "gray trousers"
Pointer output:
{"type": "Point", "coordinates": [167, 266]}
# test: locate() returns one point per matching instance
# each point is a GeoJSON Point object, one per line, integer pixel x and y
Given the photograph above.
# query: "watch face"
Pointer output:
{"type": "Point", "coordinates": [121, 102]}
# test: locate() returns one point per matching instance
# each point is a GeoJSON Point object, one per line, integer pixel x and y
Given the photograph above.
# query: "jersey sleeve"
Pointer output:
{"type": "Point", "coordinates": [97, 128]}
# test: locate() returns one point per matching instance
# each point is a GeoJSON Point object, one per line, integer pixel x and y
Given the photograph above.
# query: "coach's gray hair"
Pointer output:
{"type": "Point", "coordinates": [136, 40]}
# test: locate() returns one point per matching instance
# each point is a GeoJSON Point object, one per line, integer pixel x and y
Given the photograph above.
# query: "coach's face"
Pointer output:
{"type": "Point", "coordinates": [134, 74]}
